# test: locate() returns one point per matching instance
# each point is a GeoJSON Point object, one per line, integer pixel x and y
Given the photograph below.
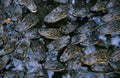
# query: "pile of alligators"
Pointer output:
{"type": "Point", "coordinates": [59, 38]}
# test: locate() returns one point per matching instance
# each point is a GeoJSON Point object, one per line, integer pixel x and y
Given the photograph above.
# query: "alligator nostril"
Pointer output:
{"type": "Point", "coordinates": [62, 60]}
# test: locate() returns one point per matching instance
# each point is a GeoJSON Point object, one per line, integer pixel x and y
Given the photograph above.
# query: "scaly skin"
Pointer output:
{"type": "Point", "coordinates": [112, 27]}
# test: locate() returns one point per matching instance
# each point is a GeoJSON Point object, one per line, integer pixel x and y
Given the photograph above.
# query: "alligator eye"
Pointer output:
{"type": "Point", "coordinates": [33, 11]}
